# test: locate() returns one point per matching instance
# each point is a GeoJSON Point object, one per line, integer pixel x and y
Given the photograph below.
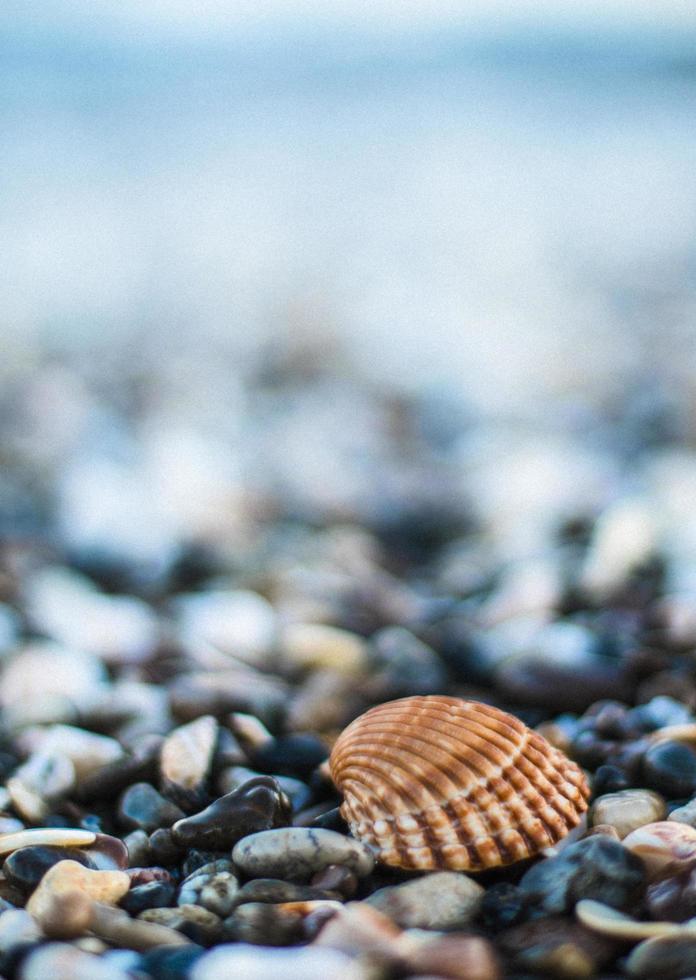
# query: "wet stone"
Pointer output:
{"type": "Point", "coordinates": [163, 848]}
{"type": "Point", "coordinates": [256, 805]}
{"type": "Point", "coordinates": [628, 810]}
{"type": "Point", "coordinates": [298, 852]}
{"type": "Point", "coordinates": [274, 890]}
{"type": "Point", "coordinates": [142, 807]}
{"type": "Point", "coordinates": [26, 867]}
{"type": "Point", "coordinates": [667, 957]}
{"type": "Point", "coordinates": [151, 895]}
{"type": "Point", "coordinates": [596, 867]}
{"type": "Point", "coordinates": [670, 768]}
{"type": "Point", "coordinates": [196, 923]}
{"type": "Point", "coordinates": [446, 900]}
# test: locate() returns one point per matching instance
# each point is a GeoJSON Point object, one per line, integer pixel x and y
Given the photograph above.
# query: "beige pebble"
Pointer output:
{"type": "Point", "coordinates": [358, 929]}
{"type": "Point", "coordinates": [50, 836]}
{"type": "Point", "coordinates": [313, 646]}
{"type": "Point", "coordinates": [61, 915]}
{"type": "Point", "coordinates": [628, 810]}
{"type": "Point", "coordinates": [456, 957]}
{"type": "Point", "coordinates": [685, 814]}
{"type": "Point", "coordinates": [666, 847]}
{"type": "Point", "coordinates": [116, 927]}
{"type": "Point", "coordinates": [610, 922]}
{"type": "Point", "coordinates": [75, 887]}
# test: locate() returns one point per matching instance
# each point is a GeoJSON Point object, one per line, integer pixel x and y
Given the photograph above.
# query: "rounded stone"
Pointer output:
{"type": "Point", "coordinates": [503, 905]}
{"type": "Point", "coordinates": [666, 957]}
{"type": "Point", "coordinates": [291, 755]}
{"type": "Point", "coordinates": [258, 804]}
{"type": "Point", "coordinates": [298, 852]}
{"type": "Point", "coordinates": [628, 810]}
{"type": "Point", "coordinates": [141, 806]}
{"type": "Point", "coordinates": [670, 768]}
{"type": "Point", "coordinates": [151, 895]}
{"type": "Point", "coordinates": [444, 900]}
{"type": "Point", "coordinates": [62, 961]}
{"type": "Point", "coordinates": [266, 963]}
{"type": "Point", "coordinates": [26, 867]}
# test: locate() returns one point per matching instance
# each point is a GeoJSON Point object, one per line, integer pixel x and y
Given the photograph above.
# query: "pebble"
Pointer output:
{"type": "Point", "coordinates": [198, 924]}
{"type": "Point", "coordinates": [684, 814]}
{"type": "Point", "coordinates": [186, 759]}
{"type": "Point", "coordinates": [596, 867]}
{"type": "Point", "coordinates": [670, 768]}
{"type": "Point", "coordinates": [62, 961]}
{"type": "Point", "coordinates": [359, 929]}
{"type": "Point", "coordinates": [503, 905]}
{"type": "Point", "coordinates": [68, 887]}
{"type": "Point", "coordinates": [219, 893]}
{"type": "Point", "coordinates": [87, 752]}
{"type": "Point", "coordinates": [401, 665]}
{"type": "Point", "coordinates": [258, 804]}
{"type": "Point", "coordinates": [41, 781]}
{"type": "Point", "coordinates": [455, 958]}
{"type": "Point", "coordinates": [171, 963]}
{"type": "Point", "coordinates": [295, 754]}
{"type": "Point", "coordinates": [298, 852]}
{"type": "Point", "coordinates": [667, 957]}
{"type": "Point", "coordinates": [446, 900]}
{"type": "Point", "coordinates": [108, 853]}
{"type": "Point", "coordinates": [17, 927]}
{"type": "Point", "coordinates": [26, 867]}
{"type": "Point", "coordinates": [151, 895]}
{"type": "Point", "coordinates": [275, 890]}
{"type": "Point", "coordinates": [268, 924]}
{"type": "Point", "coordinates": [336, 878]}
{"type": "Point", "coordinates": [117, 928]}
{"type": "Point", "coordinates": [565, 950]}
{"type": "Point", "coordinates": [666, 848]}
{"type": "Point", "coordinates": [49, 836]}
{"type": "Point", "coordinates": [141, 806]}
{"type": "Point", "coordinates": [266, 963]}
{"type": "Point", "coordinates": [217, 692]}
{"type": "Point", "coordinates": [628, 810]}
{"type": "Point", "coordinates": [316, 646]}
{"type": "Point", "coordinates": [238, 624]}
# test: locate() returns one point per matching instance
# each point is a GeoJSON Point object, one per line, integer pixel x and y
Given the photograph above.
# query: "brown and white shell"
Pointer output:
{"type": "Point", "coordinates": [438, 782]}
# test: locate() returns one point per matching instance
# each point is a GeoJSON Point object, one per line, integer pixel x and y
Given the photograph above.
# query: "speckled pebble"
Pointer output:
{"type": "Point", "coordinates": [446, 900]}
{"type": "Point", "coordinates": [198, 924]}
{"type": "Point", "coordinates": [297, 852]}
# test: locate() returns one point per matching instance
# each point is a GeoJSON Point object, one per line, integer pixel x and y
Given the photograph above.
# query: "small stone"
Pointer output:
{"type": "Point", "coordinates": [138, 847]}
{"type": "Point", "coordinates": [114, 777]}
{"type": "Point", "coordinates": [298, 852]}
{"type": "Point", "coordinates": [266, 963]}
{"type": "Point", "coordinates": [219, 893]}
{"type": "Point", "coordinates": [667, 957]}
{"type": "Point", "coordinates": [256, 805]}
{"type": "Point", "coordinates": [274, 890]}
{"type": "Point", "coordinates": [26, 867]}
{"type": "Point", "coordinates": [108, 853]}
{"type": "Point", "coordinates": [685, 814]}
{"type": "Point", "coordinates": [603, 830]}
{"type": "Point", "coordinates": [163, 848]}
{"type": "Point", "coordinates": [70, 886]}
{"type": "Point", "coordinates": [666, 848]}
{"type": "Point", "coordinates": [672, 899]}
{"type": "Point", "coordinates": [86, 751]}
{"type": "Point", "coordinates": [198, 924]}
{"type": "Point", "coordinates": [628, 810]}
{"type": "Point", "coordinates": [358, 929]}
{"type": "Point", "coordinates": [503, 905]}
{"type": "Point", "coordinates": [186, 759]}
{"type": "Point", "coordinates": [117, 928]}
{"type": "Point", "coordinates": [291, 755]}
{"type": "Point", "coordinates": [220, 691]}
{"type": "Point", "coordinates": [238, 624]}
{"type": "Point", "coordinates": [62, 961]}
{"type": "Point", "coordinates": [43, 779]}
{"type": "Point", "coordinates": [456, 958]}
{"type": "Point", "coordinates": [670, 768]}
{"type": "Point", "coordinates": [610, 779]}
{"type": "Point", "coordinates": [151, 895]}
{"type": "Point", "coordinates": [596, 867]}
{"type": "Point", "coordinates": [566, 950]}
{"type": "Point", "coordinates": [16, 928]}
{"type": "Point", "coordinates": [336, 878]}
{"type": "Point", "coordinates": [266, 924]}
{"type": "Point", "coordinates": [316, 646]}
{"type": "Point", "coordinates": [171, 963]}
{"type": "Point", "coordinates": [141, 806]}
{"type": "Point", "coordinates": [402, 665]}
{"type": "Point", "coordinates": [50, 836]}
{"type": "Point", "coordinates": [445, 900]}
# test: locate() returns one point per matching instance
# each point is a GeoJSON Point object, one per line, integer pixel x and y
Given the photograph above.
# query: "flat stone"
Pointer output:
{"type": "Point", "coordinates": [117, 928]}
{"type": "Point", "coordinates": [256, 805]}
{"type": "Point", "coordinates": [609, 922]}
{"type": "Point", "coordinates": [50, 836]}
{"type": "Point", "coordinates": [628, 810]}
{"type": "Point", "coordinates": [445, 900]}
{"type": "Point", "coordinates": [266, 963]}
{"type": "Point", "coordinates": [186, 759]}
{"type": "Point", "coordinates": [298, 852]}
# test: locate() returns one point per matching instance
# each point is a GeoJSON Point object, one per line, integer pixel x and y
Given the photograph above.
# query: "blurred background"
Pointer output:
{"type": "Point", "coordinates": [402, 265]}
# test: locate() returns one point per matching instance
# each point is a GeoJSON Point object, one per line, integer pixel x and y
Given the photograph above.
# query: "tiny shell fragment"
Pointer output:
{"type": "Point", "coordinates": [437, 782]}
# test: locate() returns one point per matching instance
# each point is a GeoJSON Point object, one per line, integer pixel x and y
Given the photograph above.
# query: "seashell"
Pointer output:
{"type": "Point", "coordinates": [437, 782]}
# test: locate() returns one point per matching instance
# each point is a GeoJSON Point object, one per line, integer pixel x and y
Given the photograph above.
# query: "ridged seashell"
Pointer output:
{"type": "Point", "coordinates": [437, 782]}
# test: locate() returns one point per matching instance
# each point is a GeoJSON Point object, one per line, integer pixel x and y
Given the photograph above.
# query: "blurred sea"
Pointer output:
{"type": "Point", "coordinates": [510, 216]}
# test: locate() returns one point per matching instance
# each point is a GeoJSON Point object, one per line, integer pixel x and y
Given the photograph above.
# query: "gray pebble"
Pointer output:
{"type": "Point", "coordinates": [244, 960]}
{"type": "Point", "coordinates": [16, 927]}
{"type": "Point", "coordinates": [297, 852]}
{"type": "Point", "coordinates": [667, 957]}
{"type": "Point", "coordinates": [142, 807]}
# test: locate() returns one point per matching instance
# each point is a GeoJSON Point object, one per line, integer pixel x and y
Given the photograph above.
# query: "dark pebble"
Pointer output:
{"type": "Point", "coordinates": [597, 867]}
{"type": "Point", "coordinates": [336, 878]}
{"type": "Point", "coordinates": [196, 859]}
{"type": "Point", "coordinates": [141, 806]}
{"type": "Point", "coordinates": [670, 769]}
{"type": "Point", "coordinates": [264, 925]}
{"type": "Point", "coordinates": [290, 755]}
{"type": "Point", "coordinates": [331, 820]}
{"type": "Point", "coordinates": [270, 890]}
{"type": "Point", "coordinates": [107, 782]}
{"type": "Point", "coordinates": [502, 906]}
{"type": "Point", "coordinates": [151, 895]}
{"type": "Point", "coordinates": [26, 867]}
{"type": "Point", "coordinates": [610, 779]}
{"type": "Point", "coordinates": [258, 804]}
{"type": "Point", "coordinates": [674, 899]}
{"type": "Point", "coordinates": [171, 963]}
{"type": "Point", "coordinates": [163, 848]}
